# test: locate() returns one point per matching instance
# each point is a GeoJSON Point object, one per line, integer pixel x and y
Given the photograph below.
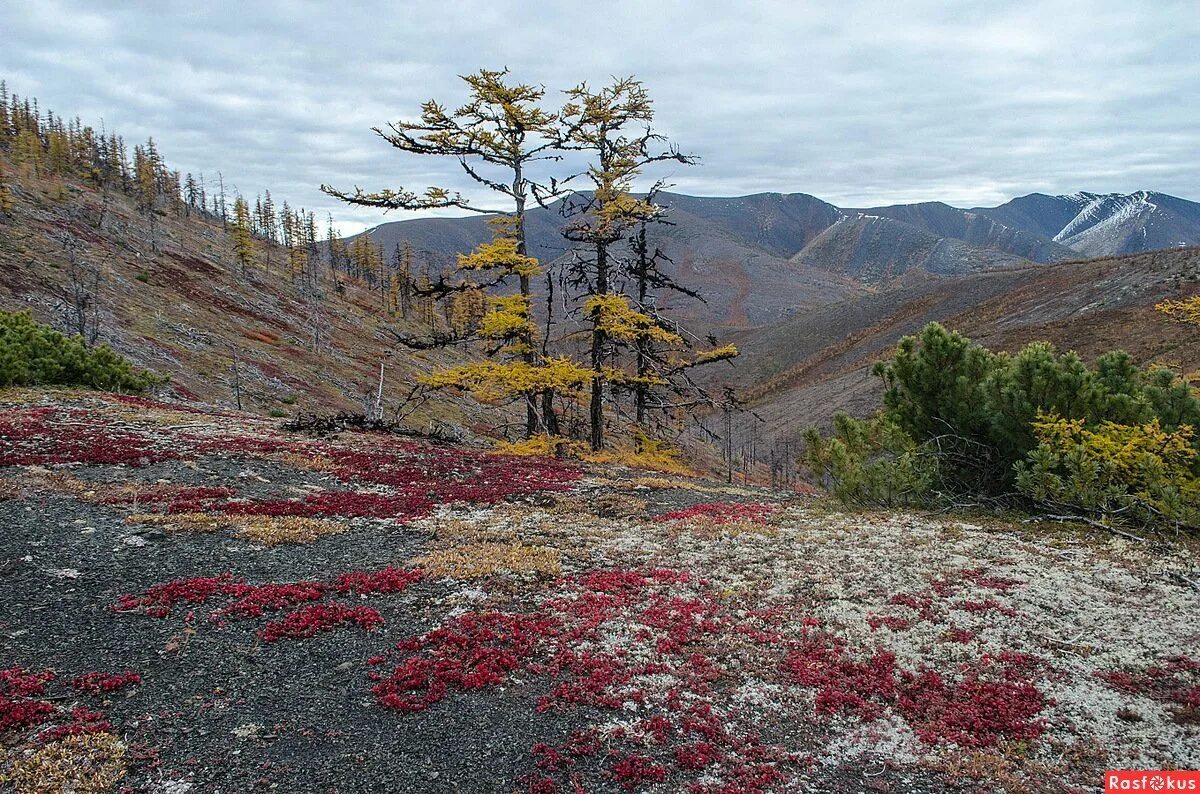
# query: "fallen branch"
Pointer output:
{"type": "Point", "coordinates": [324, 424]}
{"type": "Point", "coordinates": [1089, 521]}
{"type": "Point", "coordinates": [1192, 583]}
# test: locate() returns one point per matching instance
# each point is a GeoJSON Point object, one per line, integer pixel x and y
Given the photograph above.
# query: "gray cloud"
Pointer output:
{"type": "Point", "coordinates": [859, 103]}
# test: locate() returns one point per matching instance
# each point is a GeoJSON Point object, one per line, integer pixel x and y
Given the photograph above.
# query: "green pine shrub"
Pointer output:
{"type": "Point", "coordinates": [1113, 440]}
{"type": "Point", "coordinates": [33, 354]}
{"type": "Point", "coordinates": [872, 462]}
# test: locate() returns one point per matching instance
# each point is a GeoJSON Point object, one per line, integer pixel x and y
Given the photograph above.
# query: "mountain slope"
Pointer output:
{"type": "Point", "coordinates": [876, 250]}
{"type": "Point", "coordinates": [976, 229]}
{"type": "Point", "coordinates": [1105, 224]}
{"type": "Point", "coordinates": [798, 372]}
{"type": "Point", "coordinates": [709, 243]}
{"type": "Point", "coordinates": [172, 299]}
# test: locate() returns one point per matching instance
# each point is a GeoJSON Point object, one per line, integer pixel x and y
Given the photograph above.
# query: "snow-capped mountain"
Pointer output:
{"type": "Point", "coordinates": [1097, 224]}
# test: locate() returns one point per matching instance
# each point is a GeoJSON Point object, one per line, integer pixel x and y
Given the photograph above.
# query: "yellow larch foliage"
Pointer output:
{"type": "Point", "coordinates": [616, 317]}
{"type": "Point", "coordinates": [494, 380]}
{"type": "Point", "coordinates": [1185, 311]}
{"type": "Point", "coordinates": [500, 254]}
{"type": "Point", "coordinates": [508, 320]}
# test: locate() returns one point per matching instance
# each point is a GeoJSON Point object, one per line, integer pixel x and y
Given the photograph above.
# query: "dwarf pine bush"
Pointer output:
{"type": "Point", "coordinates": [1112, 439]}
{"type": "Point", "coordinates": [872, 462]}
{"type": "Point", "coordinates": [32, 354]}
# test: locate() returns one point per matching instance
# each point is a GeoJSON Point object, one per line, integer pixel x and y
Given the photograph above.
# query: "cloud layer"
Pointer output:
{"type": "Point", "coordinates": [859, 103]}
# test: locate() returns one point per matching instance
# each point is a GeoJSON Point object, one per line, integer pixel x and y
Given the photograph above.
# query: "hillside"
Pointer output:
{"type": "Point", "coordinates": [879, 250]}
{"type": "Point", "coordinates": [171, 297]}
{"type": "Point", "coordinates": [734, 251]}
{"type": "Point", "coordinates": [196, 601]}
{"type": "Point", "coordinates": [800, 371]}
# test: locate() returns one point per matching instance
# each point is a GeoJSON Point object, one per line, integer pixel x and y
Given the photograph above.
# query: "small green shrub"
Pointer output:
{"type": "Point", "coordinates": [289, 399]}
{"type": "Point", "coordinates": [32, 354]}
{"type": "Point", "coordinates": [871, 462]}
{"type": "Point", "coordinates": [277, 413]}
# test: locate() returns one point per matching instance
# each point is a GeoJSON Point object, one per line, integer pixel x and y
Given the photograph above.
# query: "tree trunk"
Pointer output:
{"type": "Point", "coordinates": [531, 406]}
{"type": "Point", "coordinates": [596, 412]}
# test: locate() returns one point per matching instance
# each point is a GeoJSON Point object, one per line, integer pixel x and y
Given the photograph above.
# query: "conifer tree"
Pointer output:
{"type": "Point", "coordinates": [269, 226]}
{"type": "Point", "coordinates": [657, 366]}
{"type": "Point", "coordinates": [7, 203]}
{"type": "Point", "coordinates": [243, 237]}
{"type": "Point", "coordinates": [497, 137]}
{"type": "Point", "coordinates": [612, 124]}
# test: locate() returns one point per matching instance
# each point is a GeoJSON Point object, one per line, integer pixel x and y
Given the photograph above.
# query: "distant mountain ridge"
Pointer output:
{"type": "Point", "coordinates": [761, 257]}
{"type": "Point", "coordinates": [1107, 224]}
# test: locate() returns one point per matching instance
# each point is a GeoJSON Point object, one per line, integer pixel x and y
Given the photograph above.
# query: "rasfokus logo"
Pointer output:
{"type": "Point", "coordinates": [1152, 780]}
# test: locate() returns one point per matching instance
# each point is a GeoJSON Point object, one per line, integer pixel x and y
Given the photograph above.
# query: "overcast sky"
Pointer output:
{"type": "Point", "coordinates": [866, 103]}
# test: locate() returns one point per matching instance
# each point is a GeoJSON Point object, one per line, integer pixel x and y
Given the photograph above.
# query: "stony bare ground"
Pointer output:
{"type": "Point", "coordinates": [199, 602]}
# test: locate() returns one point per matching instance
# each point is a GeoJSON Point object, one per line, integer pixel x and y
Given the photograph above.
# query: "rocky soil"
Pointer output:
{"type": "Point", "coordinates": [196, 602]}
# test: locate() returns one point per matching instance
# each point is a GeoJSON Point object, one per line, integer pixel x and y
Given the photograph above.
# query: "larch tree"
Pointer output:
{"type": "Point", "coordinates": [512, 369]}
{"type": "Point", "coordinates": [662, 364]}
{"type": "Point", "coordinates": [613, 125]}
{"type": "Point", "coordinates": [498, 136]}
{"type": "Point", "coordinates": [7, 203]}
{"type": "Point", "coordinates": [243, 235]}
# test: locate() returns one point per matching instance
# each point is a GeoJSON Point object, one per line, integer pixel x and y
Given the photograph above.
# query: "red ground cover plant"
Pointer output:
{"type": "Point", "coordinates": [316, 618]}
{"type": "Point", "coordinates": [991, 699]}
{"type": "Point", "coordinates": [246, 601]}
{"type": "Point", "coordinates": [344, 504]}
{"type": "Point", "coordinates": [563, 642]}
{"type": "Point", "coordinates": [723, 512]}
{"type": "Point", "coordinates": [175, 498]}
{"type": "Point", "coordinates": [22, 706]}
{"type": "Point", "coordinates": [48, 436]}
{"type": "Point", "coordinates": [83, 720]}
{"type": "Point", "coordinates": [473, 651]}
{"type": "Point", "coordinates": [19, 693]}
{"type": "Point", "coordinates": [96, 683]}
{"type": "Point", "coordinates": [1175, 682]}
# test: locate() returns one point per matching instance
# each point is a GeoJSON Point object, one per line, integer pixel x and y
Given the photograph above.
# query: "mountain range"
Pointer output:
{"type": "Point", "coordinates": [761, 258]}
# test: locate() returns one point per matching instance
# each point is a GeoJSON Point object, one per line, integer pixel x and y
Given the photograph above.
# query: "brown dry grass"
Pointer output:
{"type": "Point", "coordinates": [485, 559]}
{"type": "Point", "coordinates": [267, 530]}
{"type": "Point", "coordinates": [84, 764]}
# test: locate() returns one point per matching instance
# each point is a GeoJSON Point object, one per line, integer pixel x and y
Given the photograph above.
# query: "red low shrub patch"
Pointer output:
{"type": "Point", "coordinates": [252, 601]}
{"type": "Point", "coordinates": [1175, 682]}
{"type": "Point", "coordinates": [991, 700]}
{"type": "Point", "coordinates": [566, 641]}
{"type": "Point", "coordinates": [48, 436]}
{"type": "Point", "coordinates": [345, 504]}
{"type": "Point", "coordinates": [158, 600]}
{"type": "Point", "coordinates": [635, 771]}
{"type": "Point", "coordinates": [316, 618]}
{"type": "Point", "coordinates": [97, 683]}
{"type": "Point", "coordinates": [723, 512]}
{"type": "Point", "coordinates": [22, 708]}
{"type": "Point", "coordinates": [473, 651]}
{"type": "Point", "coordinates": [19, 690]}
{"type": "Point", "coordinates": [387, 580]}
{"type": "Point", "coordinates": [83, 720]}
